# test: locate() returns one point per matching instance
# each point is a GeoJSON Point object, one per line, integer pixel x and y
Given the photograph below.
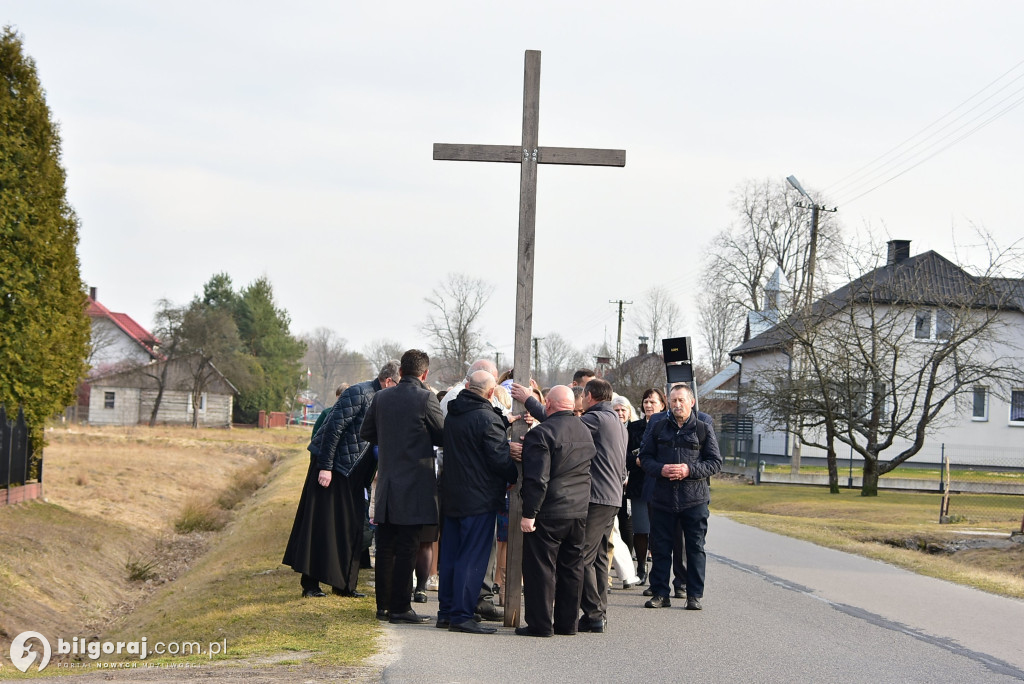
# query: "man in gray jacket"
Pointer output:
{"type": "Point", "coordinates": [405, 423]}
{"type": "Point", "coordinates": [607, 473]}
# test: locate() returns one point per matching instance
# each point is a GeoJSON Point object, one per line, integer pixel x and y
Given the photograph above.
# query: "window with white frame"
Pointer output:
{"type": "Point", "coordinates": [933, 324]}
{"type": "Point", "coordinates": [202, 403]}
{"type": "Point", "coordinates": [1017, 407]}
{"type": "Point", "coordinates": [979, 410]}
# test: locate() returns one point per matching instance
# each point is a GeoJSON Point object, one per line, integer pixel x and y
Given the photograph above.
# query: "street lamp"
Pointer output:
{"type": "Point", "coordinates": [814, 236]}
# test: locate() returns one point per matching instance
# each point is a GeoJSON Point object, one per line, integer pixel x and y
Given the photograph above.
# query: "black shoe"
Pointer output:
{"type": "Point", "coordinates": [648, 592]}
{"type": "Point", "coordinates": [680, 592]}
{"type": "Point", "coordinates": [312, 593]}
{"type": "Point", "coordinates": [488, 611]}
{"type": "Point", "coordinates": [443, 623]}
{"type": "Point", "coordinates": [382, 614]}
{"type": "Point", "coordinates": [588, 625]}
{"type": "Point", "coordinates": [408, 618]}
{"type": "Point", "coordinates": [658, 602]}
{"type": "Point", "coordinates": [471, 627]}
{"type": "Point", "coordinates": [643, 577]}
{"type": "Point", "coordinates": [525, 631]}
{"type": "Point", "coordinates": [420, 597]}
{"type": "Point", "coordinates": [629, 585]}
{"type": "Point", "coordinates": [348, 593]}
{"type": "Point", "coordinates": [693, 603]}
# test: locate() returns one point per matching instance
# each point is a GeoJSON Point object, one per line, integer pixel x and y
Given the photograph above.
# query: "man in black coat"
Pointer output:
{"type": "Point", "coordinates": [477, 471]}
{"type": "Point", "coordinates": [327, 536]}
{"type": "Point", "coordinates": [607, 473]}
{"type": "Point", "coordinates": [678, 456]}
{"type": "Point", "coordinates": [406, 424]}
{"type": "Point", "coordinates": [556, 493]}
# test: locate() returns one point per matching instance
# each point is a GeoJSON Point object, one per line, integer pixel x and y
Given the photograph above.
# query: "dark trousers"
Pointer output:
{"type": "Point", "coordinates": [553, 575]}
{"type": "Point", "coordinates": [396, 559]}
{"type": "Point", "coordinates": [694, 521]}
{"type": "Point", "coordinates": [600, 519]}
{"type": "Point", "coordinates": [465, 548]}
{"type": "Point", "coordinates": [678, 557]}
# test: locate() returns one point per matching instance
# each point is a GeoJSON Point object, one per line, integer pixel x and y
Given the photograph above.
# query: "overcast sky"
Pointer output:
{"type": "Point", "coordinates": [293, 140]}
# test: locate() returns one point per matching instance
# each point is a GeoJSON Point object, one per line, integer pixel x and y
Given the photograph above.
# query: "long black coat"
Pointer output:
{"type": "Point", "coordinates": [477, 464]}
{"type": "Point", "coordinates": [556, 468]}
{"type": "Point", "coordinates": [405, 423]}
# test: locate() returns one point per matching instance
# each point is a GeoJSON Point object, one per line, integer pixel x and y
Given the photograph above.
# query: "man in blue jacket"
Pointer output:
{"type": "Point", "coordinates": [477, 470]}
{"type": "Point", "coordinates": [678, 454]}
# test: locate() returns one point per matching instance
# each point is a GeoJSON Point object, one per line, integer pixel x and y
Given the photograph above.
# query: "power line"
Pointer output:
{"type": "Point", "coordinates": [870, 173]}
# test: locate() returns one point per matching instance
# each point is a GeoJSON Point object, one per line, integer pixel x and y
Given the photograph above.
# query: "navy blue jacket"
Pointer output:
{"type": "Point", "coordinates": [336, 444]}
{"type": "Point", "coordinates": [666, 442]}
{"type": "Point", "coordinates": [477, 465]}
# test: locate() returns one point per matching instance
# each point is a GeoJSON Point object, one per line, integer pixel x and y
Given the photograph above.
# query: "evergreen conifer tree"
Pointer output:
{"type": "Point", "coordinates": [44, 331]}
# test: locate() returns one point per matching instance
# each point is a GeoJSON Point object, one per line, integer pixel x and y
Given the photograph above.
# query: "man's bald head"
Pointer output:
{"type": "Point", "coordinates": [560, 398]}
{"type": "Point", "coordinates": [483, 365]}
{"type": "Point", "coordinates": [481, 382]}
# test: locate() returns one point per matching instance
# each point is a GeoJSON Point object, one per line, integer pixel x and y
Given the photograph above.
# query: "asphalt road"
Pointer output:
{"type": "Point", "coordinates": [775, 610]}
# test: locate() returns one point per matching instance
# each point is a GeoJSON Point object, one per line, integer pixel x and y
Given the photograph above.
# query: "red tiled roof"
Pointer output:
{"type": "Point", "coordinates": [126, 323]}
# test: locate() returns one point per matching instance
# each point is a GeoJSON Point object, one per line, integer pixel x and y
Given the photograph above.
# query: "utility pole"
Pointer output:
{"type": "Point", "coordinates": [812, 257]}
{"type": "Point", "coordinates": [618, 339]}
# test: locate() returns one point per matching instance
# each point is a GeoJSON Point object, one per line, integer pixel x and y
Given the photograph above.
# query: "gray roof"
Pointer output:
{"type": "Point", "coordinates": [928, 279]}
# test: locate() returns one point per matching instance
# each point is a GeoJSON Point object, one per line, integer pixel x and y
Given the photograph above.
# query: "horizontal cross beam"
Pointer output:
{"type": "Point", "coordinates": [579, 156]}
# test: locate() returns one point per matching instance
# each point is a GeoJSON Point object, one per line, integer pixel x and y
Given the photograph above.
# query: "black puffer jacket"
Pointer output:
{"type": "Point", "coordinates": [635, 486]}
{"type": "Point", "coordinates": [694, 444]}
{"type": "Point", "coordinates": [477, 466]}
{"type": "Point", "coordinates": [337, 443]}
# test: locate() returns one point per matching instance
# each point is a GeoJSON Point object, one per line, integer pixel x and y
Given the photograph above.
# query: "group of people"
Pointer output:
{"type": "Point", "coordinates": [585, 468]}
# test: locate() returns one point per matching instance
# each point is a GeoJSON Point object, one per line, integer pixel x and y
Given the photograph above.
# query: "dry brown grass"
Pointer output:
{"type": "Point", "coordinates": [112, 497]}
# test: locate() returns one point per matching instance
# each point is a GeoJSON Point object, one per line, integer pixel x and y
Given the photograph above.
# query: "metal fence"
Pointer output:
{"type": "Point", "coordinates": [19, 464]}
{"type": "Point", "coordinates": [984, 495]}
{"type": "Point", "coordinates": [979, 486]}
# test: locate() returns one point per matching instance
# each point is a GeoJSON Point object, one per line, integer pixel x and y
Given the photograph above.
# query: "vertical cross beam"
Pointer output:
{"type": "Point", "coordinates": [528, 155]}
{"type": "Point", "coordinates": [524, 318]}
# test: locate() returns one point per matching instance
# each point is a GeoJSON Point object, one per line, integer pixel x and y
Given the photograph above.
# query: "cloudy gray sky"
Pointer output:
{"type": "Point", "coordinates": [293, 140]}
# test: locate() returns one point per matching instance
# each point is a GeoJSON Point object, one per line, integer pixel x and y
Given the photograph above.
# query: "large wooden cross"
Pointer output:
{"type": "Point", "coordinates": [528, 155]}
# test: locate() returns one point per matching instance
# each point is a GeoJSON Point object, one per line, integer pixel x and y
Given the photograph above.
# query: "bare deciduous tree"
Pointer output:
{"type": "Point", "coordinates": [455, 305]}
{"type": "Point", "coordinates": [770, 230]}
{"type": "Point", "coordinates": [382, 350]}
{"type": "Point", "coordinates": [721, 323]}
{"type": "Point", "coordinates": [331, 363]}
{"type": "Point", "coordinates": [656, 316]}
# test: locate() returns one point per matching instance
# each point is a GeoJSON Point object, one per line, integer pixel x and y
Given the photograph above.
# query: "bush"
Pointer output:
{"type": "Point", "coordinates": [199, 516]}
{"type": "Point", "coordinates": [245, 483]}
{"type": "Point", "coordinates": [140, 569]}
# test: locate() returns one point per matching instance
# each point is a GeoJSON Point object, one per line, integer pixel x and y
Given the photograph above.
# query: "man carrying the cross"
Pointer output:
{"type": "Point", "coordinates": [556, 495]}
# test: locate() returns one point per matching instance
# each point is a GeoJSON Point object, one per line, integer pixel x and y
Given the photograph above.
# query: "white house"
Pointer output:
{"type": "Point", "coordinates": [127, 397]}
{"type": "Point", "coordinates": [926, 302]}
{"type": "Point", "coordinates": [117, 341]}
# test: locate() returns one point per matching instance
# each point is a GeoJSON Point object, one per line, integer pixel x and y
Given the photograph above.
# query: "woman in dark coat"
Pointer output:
{"type": "Point", "coordinates": [653, 402]}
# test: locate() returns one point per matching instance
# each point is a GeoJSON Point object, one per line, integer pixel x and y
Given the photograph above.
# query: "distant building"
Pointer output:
{"type": "Point", "coordinates": [127, 397]}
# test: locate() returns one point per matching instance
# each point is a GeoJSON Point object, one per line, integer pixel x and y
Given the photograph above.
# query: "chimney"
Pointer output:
{"type": "Point", "coordinates": [899, 250]}
{"type": "Point", "coordinates": [92, 293]}
{"type": "Point", "coordinates": [643, 349]}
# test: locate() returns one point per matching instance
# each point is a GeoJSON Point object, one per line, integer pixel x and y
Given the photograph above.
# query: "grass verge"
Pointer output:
{"type": "Point", "coordinates": [240, 594]}
{"type": "Point", "coordinates": [895, 527]}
